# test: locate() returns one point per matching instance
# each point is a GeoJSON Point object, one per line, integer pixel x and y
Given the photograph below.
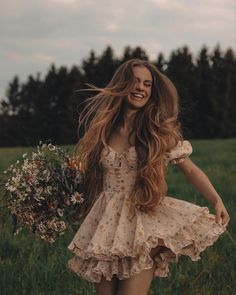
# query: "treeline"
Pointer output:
{"type": "Point", "coordinates": [48, 107]}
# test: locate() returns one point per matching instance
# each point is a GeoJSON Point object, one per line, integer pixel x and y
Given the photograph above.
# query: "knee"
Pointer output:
{"type": "Point", "coordinates": [106, 287]}
{"type": "Point", "coordinates": [137, 284]}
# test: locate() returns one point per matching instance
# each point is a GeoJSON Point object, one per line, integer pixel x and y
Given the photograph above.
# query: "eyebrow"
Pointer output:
{"type": "Point", "coordinates": [144, 80]}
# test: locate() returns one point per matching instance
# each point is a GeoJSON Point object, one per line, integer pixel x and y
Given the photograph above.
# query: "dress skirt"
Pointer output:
{"type": "Point", "coordinates": [112, 242]}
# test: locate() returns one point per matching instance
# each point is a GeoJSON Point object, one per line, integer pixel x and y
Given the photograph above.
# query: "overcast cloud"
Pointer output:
{"type": "Point", "coordinates": [36, 33]}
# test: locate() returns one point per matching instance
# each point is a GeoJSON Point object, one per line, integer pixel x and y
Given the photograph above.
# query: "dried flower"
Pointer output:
{"type": "Point", "coordinates": [43, 191]}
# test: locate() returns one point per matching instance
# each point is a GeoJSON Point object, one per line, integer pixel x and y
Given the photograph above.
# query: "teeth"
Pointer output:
{"type": "Point", "coordinates": [138, 95]}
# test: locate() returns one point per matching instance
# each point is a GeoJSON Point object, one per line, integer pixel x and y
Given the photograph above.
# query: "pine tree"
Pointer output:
{"type": "Point", "coordinates": [202, 97]}
{"type": "Point", "coordinates": [161, 63]}
{"type": "Point", "coordinates": [181, 71]}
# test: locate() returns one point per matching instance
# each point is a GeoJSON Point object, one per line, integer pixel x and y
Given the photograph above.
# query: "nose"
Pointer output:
{"type": "Point", "coordinates": [139, 86]}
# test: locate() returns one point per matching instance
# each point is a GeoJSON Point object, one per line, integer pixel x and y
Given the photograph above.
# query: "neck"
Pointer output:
{"type": "Point", "coordinates": [128, 119]}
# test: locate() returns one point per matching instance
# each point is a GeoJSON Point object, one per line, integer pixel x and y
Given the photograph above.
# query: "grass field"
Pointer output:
{"type": "Point", "coordinates": [29, 266]}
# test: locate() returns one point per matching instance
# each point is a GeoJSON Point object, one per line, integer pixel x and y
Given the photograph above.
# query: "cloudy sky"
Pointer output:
{"type": "Point", "coordinates": [35, 33]}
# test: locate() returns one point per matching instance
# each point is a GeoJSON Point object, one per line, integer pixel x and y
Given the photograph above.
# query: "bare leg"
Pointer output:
{"type": "Point", "coordinates": [139, 283]}
{"type": "Point", "coordinates": [107, 287]}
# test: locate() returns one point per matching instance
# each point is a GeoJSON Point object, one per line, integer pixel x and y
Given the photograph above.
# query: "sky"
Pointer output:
{"type": "Point", "coordinates": [36, 33]}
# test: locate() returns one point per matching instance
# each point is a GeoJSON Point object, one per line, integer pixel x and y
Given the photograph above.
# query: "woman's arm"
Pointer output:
{"type": "Point", "coordinates": [202, 183]}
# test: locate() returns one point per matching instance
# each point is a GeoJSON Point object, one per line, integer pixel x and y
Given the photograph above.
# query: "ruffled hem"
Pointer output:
{"type": "Point", "coordinates": [98, 263]}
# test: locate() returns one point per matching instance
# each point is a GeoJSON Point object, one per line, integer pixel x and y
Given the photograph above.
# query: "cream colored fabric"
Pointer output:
{"type": "Point", "coordinates": [112, 242]}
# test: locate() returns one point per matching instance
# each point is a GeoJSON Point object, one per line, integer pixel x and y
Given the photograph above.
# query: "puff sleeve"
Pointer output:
{"type": "Point", "coordinates": [179, 153]}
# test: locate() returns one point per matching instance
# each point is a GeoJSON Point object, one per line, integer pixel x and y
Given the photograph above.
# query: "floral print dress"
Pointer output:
{"type": "Point", "coordinates": [110, 241]}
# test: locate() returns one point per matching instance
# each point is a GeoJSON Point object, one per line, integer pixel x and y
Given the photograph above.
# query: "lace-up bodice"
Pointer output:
{"type": "Point", "coordinates": [120, 169]}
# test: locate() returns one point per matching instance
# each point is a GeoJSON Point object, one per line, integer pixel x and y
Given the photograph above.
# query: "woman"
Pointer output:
{"type": "Point", "coordinates": [132, 230]}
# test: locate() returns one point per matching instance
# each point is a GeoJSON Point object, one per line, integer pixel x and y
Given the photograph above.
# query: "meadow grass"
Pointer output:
{"type": "Point", "coordinates": [29, 266]}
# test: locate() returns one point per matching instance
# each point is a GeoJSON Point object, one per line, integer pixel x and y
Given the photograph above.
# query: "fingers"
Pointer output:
{"type": "Point", "coordinates": [225, 219]}
{"type": "Point", "coordinates": [218, 216]}
{"type": "Point", "coordinates": [222, 216]}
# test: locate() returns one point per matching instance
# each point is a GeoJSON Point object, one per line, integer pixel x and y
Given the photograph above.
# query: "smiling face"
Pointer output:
{"type": "Point", "coordinates": [142, 88]}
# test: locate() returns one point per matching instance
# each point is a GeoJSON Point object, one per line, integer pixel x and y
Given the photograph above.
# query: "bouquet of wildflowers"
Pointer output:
{"type": "Point", "coordinates": [44, 191]}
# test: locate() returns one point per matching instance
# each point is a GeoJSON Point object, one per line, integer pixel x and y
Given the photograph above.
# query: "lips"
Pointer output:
{"type": "Point", "coordinates": [137, 95]}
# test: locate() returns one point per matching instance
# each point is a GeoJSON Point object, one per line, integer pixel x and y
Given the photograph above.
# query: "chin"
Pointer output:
{"type": "Point", "coordinates": [135, 103]}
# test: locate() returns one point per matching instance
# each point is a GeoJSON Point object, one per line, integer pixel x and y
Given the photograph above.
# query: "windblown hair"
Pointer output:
{"type": "Point", "coordinates": [156, 129]}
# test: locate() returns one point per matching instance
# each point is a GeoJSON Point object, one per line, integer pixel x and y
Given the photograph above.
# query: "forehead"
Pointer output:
{"type": "Point", "coordinates": [142, 72]}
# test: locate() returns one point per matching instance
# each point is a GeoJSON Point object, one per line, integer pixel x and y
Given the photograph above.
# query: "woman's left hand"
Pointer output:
{"type": "Point", "coordinates": [221, 212]}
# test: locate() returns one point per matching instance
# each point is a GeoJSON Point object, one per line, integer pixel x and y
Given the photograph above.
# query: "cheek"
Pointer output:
{"type": "Point", "coordinates": [149, 92]}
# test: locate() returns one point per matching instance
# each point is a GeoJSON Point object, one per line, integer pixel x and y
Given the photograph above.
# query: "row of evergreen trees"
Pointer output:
{"type": "Point", "coordinates": [47, 108]}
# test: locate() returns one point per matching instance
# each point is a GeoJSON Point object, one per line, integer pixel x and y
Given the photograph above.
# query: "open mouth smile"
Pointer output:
{"type": "Point", "coordinates": [137, 95]}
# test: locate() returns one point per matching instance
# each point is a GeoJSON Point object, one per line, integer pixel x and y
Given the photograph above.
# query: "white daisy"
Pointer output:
{"type": "Point", "coordinates": [77, 198]}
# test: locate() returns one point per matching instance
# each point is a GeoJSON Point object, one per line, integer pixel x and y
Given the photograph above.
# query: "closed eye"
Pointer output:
{"type": "Point", "coordinates": [148, 84]}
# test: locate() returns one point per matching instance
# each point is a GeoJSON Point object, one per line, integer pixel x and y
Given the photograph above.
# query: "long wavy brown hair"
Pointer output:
{"type": "Point", "coordinates": [156, 130]}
